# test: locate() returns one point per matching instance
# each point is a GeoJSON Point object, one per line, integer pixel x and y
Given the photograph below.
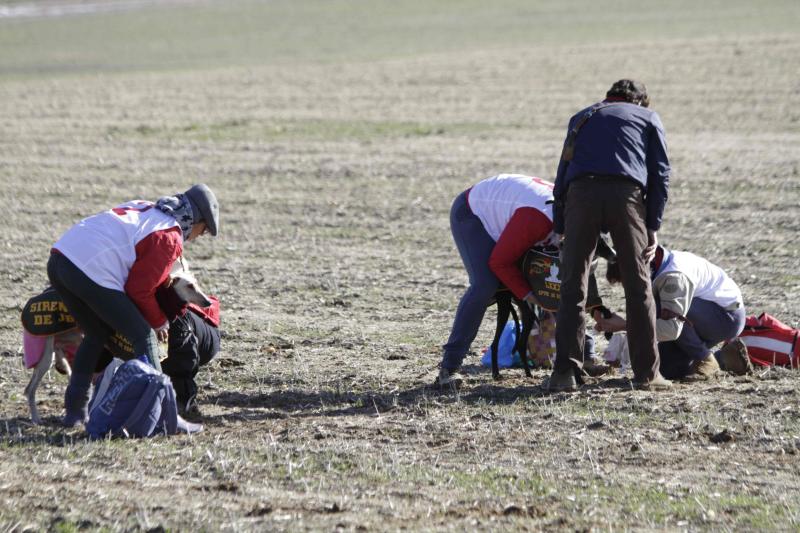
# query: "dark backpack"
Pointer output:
{"type": "Point", "coordinates": [138, 402]}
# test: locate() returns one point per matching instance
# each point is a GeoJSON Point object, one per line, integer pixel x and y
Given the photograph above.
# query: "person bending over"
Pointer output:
{"type": "Point", "coordinates": [493, 224]}
{"type": "Point", "coordinates": [107, 268]}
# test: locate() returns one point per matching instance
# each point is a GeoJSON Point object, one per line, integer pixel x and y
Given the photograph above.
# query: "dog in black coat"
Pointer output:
{"type": "Point", "coordinates": [507, 304]}
{"type": "Point", "coordinates": [546, 293]}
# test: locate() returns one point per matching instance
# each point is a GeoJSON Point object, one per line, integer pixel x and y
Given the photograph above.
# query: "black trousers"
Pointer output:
{"type": "Point", "coordinates": [99, 312]}
{"type": "Point", "coordinates": [193, 342]}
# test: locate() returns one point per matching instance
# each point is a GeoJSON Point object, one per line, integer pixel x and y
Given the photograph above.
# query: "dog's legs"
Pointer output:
{"type": "Point", "coordinates": [528, 318]}
{"type": "Point", "coordinates": [62, 363]}
{"type": "Point", "coordinates": [514, 316]}
{"type": "Point", "coordinates": [503, 309]}
{"type": "Point", "coordinates": [512, 307]}
{"type": "Point", "coordinates": [38, 373]}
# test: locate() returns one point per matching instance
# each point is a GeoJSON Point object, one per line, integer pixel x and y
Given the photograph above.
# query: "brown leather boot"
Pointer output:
{"type": "Point", "coordinates": [733, 358]}
{"type": "Point", "coordinates": [704, 368]}
{"type": "Point", "coordinates": [596, 366]}
{"type": "Point", "coordinates": [658, 383]}
{"type": "Point", "coordinates": [561, 381]}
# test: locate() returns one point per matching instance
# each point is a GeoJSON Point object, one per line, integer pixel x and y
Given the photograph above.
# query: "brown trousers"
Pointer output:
{"type": "Point", "coordinates": [616, 205]}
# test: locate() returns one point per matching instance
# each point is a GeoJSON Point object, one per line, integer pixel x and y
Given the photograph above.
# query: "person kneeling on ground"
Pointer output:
{"type": "Point", "coordinates": [107, 267]}
{"type": "Point", "coordinates": [193, 342]}
{"type": "Point", "coordinates": [698, 306]}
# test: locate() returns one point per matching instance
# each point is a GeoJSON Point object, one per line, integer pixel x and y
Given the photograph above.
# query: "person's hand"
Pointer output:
{"type": "Point", "coordinates": [610, 324]}
{"type": "Point", "coordinates": [558, 240]}
{"type": "Point", "coordinates": [162, 333]}
{"type": "Point", "coordinates": [530, 299]}
{"type": "Point", "coordinates": [652, 244]}
{"type": "Point", "coordinates": [599, 322]}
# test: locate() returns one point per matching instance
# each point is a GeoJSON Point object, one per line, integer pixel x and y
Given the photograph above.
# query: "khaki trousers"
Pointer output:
{"type": "Point", "coordinates": [613, 204]}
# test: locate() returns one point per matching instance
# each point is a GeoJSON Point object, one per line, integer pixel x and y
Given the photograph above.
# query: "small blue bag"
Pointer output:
{"type": "Point", "coordinates": [505, 358]}
{"type": "Point", "coordinates": [138, 402]}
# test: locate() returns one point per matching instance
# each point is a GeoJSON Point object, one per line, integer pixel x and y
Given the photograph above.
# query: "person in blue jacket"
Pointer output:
{"type": "Point", "coordinates": [613, 177]}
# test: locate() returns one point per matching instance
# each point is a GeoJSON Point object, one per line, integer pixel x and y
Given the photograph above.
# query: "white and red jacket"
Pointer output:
{"type": "Point", "coordinates": [129, 248]}
{"type": "Point", "coordinates": [517, 212]}
{"type": "Point", "coordinates": [683, 276]}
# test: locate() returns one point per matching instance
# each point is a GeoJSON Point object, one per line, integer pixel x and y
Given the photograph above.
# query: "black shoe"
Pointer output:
{"type": "Point", "coordinates": [190, 410]}
{"type": "Point", "coordinates": [76, 404]}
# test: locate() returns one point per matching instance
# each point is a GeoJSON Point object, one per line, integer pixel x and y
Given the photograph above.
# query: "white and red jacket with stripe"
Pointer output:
{"type": "Point", "coordinates": [517, 213]}
{"type": "Point", "coordinates": [129, 248]}
{"type": "Point", "coordinates": [684, 276]}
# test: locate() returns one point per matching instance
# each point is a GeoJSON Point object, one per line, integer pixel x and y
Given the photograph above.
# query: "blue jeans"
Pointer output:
{"type": "Point", "coordinates": [475, 246]}
{"type": "Point", "coordinates": [708, 324]}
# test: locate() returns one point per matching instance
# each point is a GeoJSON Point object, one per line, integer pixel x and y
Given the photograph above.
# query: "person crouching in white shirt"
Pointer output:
{"type": "Point", "coordinates": [698, 306]}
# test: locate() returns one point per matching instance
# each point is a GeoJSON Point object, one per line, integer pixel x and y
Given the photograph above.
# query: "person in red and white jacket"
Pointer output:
{"type": "Point", "coordinates": [493, 224]}
{"type": "Point", "coordinates": [107, 268]}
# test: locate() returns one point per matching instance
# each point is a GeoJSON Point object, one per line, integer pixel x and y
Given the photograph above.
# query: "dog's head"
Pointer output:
{"type": "Point", "coordinates": [185, 285]}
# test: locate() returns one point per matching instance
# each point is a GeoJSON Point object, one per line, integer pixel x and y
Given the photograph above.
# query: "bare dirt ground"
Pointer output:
{"type": "Point", "coordinates": [338, 280]}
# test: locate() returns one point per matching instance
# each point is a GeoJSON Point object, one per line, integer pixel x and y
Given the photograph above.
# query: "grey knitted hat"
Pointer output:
{"type": "Point", "coordinates": [204, 206]}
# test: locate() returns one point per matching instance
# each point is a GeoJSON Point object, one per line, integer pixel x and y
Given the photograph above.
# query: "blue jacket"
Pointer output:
{"type": "Point", "coordinates": [621, 139]}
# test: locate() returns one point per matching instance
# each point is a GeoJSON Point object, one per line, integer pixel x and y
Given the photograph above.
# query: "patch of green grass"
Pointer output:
{"type": "Point", "coordinates": [297, 129]}
{"type": "Point", "coordinates": [472, 481]}
{"type": "Point", "coordinates": [497, 482]}
{"type": "Point", "coordinates": [71, 526]}
{"type": "Point", "coordinates": [662, 505]}
{"type": "Point", "coordinates": [412, 337]}
{"type": "Point", "coordinates": [788, 279]}
{"type": "Point", "coordinates": [299, 330]}
{"type": "Point", "coordinates": [756, 512]}
{"type": "Point", "coordinates": [163, 36]}
{"type": "Point", "coordinates": [657, 506]}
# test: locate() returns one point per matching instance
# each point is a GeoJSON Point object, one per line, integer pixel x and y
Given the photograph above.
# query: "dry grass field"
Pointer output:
{"type": "Point", "coordinates": [336, 134]}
